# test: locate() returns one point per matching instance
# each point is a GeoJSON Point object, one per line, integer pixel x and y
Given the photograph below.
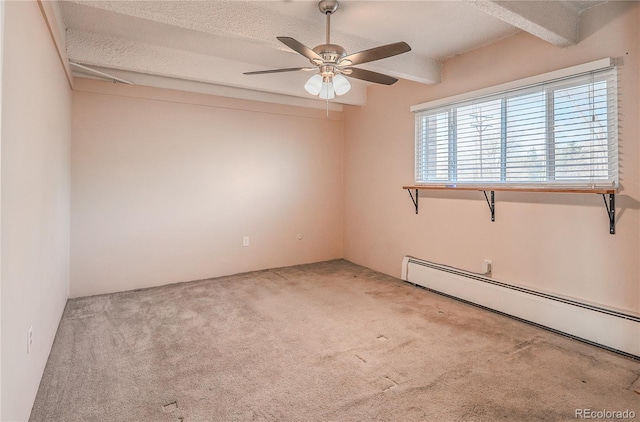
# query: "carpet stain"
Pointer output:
{"type": "Point", "coordinates": [393, 384]}
{"type": "Point", "coordinates": [170, 407]}
{"type": "Point", "coordinates": [635, 386]}
{"type": "Point", "coordinates": [525, 345]}
{"type": "Point", "coordinates": [401, 346]}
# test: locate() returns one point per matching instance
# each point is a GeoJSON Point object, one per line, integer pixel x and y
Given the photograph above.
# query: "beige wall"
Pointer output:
{"type": "Point", "coordinates": [36, 132]}
{"type": "Point", "coordinates": [166, 184]}
{"type": "Point", "coordinates": [555, 242]}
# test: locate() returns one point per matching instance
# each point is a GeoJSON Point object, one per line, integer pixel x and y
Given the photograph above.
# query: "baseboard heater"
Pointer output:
{"type": "Point", "coordinates": [606, 327]}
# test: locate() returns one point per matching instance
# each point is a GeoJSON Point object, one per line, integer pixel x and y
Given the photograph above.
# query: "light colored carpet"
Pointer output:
{"type": "Point", "coordinates": [330, 341]}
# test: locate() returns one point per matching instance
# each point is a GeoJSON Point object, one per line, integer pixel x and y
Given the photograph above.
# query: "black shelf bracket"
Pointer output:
{"type": "Point", "coordinates": [611, 211]}
{"type": "Point", "coordinates": [414, 200]}
{"type": "Point", "coordinates": [492, 204]}
{"type": "Point", "coordinates": [610, 204]}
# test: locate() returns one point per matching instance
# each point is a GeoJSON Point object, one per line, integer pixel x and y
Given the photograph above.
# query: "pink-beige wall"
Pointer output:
{"type": "Point", "coordinates": [554, 242]}
{"type": "Point", "coordinates": [165, 185]}
{"type": "Point", "coordinates": [35, 149]}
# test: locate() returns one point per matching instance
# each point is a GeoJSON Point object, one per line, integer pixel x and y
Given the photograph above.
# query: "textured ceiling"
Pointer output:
{"type": "Point", "coordinates": [205, 46]}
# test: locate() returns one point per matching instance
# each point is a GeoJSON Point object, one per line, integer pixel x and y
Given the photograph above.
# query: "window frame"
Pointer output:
{"type": "Point", "coordinates": [551, 82]}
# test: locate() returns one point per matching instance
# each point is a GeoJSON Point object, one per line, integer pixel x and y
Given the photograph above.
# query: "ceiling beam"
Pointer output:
{"type": "Point", "coordinates": [106, 52]}
{"type": "Point", "coordinates": [230, 37]}
{"type": "Point", "coordinates": [211, 89]}
{"type": "Point", "coordinates": [552, 21]}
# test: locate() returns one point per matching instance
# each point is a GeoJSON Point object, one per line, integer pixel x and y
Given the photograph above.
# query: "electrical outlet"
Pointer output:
{"type": "Point", "coordinates": [29, 339]}
{"type": "Point", "coordinates": [245, 241]}
{"type": "Point", "coordinates": [487, 266]}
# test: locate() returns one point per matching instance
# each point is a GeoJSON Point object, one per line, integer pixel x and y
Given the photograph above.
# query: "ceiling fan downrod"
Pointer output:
{"type": "Point", "coordinates": [330, 53]}
{"type": "Point", "coordinates": [327, 8]}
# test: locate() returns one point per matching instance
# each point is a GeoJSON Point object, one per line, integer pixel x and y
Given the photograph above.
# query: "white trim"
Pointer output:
{"type": "Point", "coordinates": [103, 74]}
{"type": "Point", "coordinates": [53, 18]}
{"type": "Point", "coordinates": [556, 74]}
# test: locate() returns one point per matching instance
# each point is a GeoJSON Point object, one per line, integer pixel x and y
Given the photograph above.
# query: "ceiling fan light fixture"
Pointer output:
{"type": "Point", "coordinates": [327, 92]}
{"type": "Point", "coordinates": [314, 85]}
{"type": "Point", "coordinates": [341, 85]}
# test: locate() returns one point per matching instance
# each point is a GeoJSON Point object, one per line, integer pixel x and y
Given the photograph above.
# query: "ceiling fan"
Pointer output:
{"type": "Point", "coordinates": [332, 62]}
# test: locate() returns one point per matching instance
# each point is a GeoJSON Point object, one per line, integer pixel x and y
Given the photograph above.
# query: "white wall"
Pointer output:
{"type": "Point", "coordinates": [165, 184]}
{"type": "Point", "coordinates": [36, 132]}
{"type": "Point", "coordinates": [555, 242]}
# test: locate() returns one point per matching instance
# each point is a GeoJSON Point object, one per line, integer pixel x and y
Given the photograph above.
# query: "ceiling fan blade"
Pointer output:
{"type": "Point", "coordinates": [367, 75]}
{"type": "Point", "coordinates": [298, 47]}
{"type": "Point", "coordinates": [375, 53]}
{"type": "Point", "coordinates": [289, 69]}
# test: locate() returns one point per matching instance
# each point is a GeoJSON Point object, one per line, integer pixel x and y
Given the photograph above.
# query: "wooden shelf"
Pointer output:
{"type": "Point", "coordinates": [610, 205]}
{"type": "Point", "coordinates": [494, 188]}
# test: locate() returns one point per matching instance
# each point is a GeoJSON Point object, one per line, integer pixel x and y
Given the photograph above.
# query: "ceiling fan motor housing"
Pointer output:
{"type": "Point", "coordinates": [330, 52]}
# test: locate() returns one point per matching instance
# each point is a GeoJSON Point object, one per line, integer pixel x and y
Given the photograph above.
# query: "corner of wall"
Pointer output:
{"type": "Point", "coordinates": [35, 197]}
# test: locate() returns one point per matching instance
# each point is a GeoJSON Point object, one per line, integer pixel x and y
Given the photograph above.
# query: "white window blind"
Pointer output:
{"type": "Point", "coordinates": [558, 133]}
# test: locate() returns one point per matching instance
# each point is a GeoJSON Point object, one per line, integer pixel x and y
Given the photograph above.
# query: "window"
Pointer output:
{"type": "Point", "coordinates": [560, 132]}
